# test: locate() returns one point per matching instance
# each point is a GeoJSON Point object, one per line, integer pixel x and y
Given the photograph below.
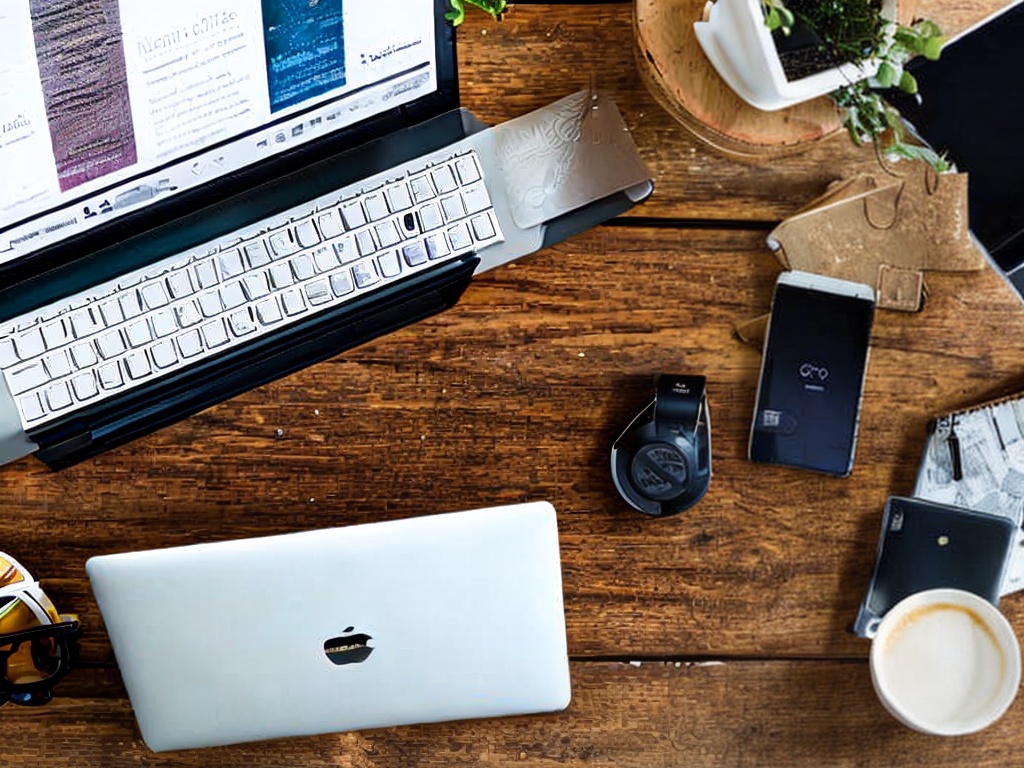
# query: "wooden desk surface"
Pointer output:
{"type": "Point", "coordinates": [716, 638]}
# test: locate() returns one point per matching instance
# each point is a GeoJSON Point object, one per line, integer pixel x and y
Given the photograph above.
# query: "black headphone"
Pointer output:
{"type": "Point", "coordinates": [661, 463]}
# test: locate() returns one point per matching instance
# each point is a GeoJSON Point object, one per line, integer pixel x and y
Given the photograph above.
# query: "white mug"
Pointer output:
{"type": "Point", "coordinates": [945, 662]}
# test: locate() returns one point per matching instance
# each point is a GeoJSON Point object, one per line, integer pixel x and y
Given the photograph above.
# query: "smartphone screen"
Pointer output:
{"type": "Point", "coordinates": [812, 373]}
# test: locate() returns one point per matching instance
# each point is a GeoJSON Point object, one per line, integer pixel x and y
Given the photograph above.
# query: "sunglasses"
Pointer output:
{"type": "Point", "coordinates": [36, 641]}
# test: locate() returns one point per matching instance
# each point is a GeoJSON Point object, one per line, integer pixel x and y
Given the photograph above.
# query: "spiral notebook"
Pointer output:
{"type": "Point", "coordinates": [974, 458]}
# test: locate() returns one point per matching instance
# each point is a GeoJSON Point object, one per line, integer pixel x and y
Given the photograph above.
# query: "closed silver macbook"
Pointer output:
{"type": "Point", "coordinates": [434, 618]}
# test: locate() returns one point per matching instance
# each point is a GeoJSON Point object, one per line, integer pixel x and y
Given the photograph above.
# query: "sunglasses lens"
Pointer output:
{"type": "Point", "coordinates": [28, 661]}
{"type": "Point", "coordinates": [9, 572]}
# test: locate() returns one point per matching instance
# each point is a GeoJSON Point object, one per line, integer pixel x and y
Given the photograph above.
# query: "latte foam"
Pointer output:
{"type": "Point", "coordinates": [942, 663]}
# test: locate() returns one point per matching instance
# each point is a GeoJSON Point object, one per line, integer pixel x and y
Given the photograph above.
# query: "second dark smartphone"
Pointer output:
{"type": "Point", "coordinates": [812, 373]}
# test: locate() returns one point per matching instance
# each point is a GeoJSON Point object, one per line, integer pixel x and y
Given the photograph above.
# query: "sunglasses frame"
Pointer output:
{"type": "Point", "coordinates": [18, 585]}
{"type": "Point", "coordinates": [38, 692]}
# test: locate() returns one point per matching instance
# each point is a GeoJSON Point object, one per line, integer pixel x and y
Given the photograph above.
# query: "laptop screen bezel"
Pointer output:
{"type": "Point", "coordinates": [442, 100]}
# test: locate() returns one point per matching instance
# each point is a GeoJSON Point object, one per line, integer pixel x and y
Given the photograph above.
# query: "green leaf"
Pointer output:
{"type": "Point", "coordinates": [933, 47]}
{"type": "Point", "coordinates": [908, 83]}
{"type": "Point", "coordinates": [887, 75]}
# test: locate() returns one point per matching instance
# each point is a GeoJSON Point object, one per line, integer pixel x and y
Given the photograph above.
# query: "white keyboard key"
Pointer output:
{"type": "Point", "coordinates": [84, 355]}
{"type": "Point", "coordinates": [460, 238]}
{"type": "Point", "coordinates": [398, 197]}
{"type": "Point", "coordinates": [55, 334]}
{"type": "Point", "coordinates": [29, 377]}
{"type": "Point", "coordinates": [329, 225]}
{"type": "Point", "coordinates": [84, 386]}
{"type": "Point", "coordinates": [256, 253]}
{"type": "Point", "coordinates": [376, 208]}
{"type": "Point", "coordinates": [293, 301]}
{"type": "Point", "coordinates": [414, 254]}
{"type": "Point", "coordinates": [255, 286]}
{"type": "Point", "coordinates": [164, 353]}
{"type": "Point", "coordinates": [241, 322]}
{"type": "Point", "coordinates": [188, 314]}
{"type": "Point", "coordinates": [111, 312]}
{"type": "Point", "coordinates": [345, 250]}
{"type": "Point", "coordinates": [282, 244]}
{"type": "Point", "coordinates": [365, 273]}
{"type": "Point", "coordinates": [30, 344]}
{"type": "Point", "coordinates": [57, 364]}
{"type": "Point", "coordinates": [482, 227]}
{"type": "Point", "coordinates": [281, 275]}
{"type": "Point", "coordinates": [430, 217]}
{"type": "Point", "coordinates": [83, 323]}
{"type": "Point", "coordinates": [341, 284]}
{"type": "Point", "coordinates": [268, 312]}
{"type": "Point", "coordinates": [230, 264]}
{"type": "Point", "coordinates": [163, 323]}
{"type": "Point", "coordinates": [215, 334]}
{"type": "Point", "coordinates": [110, 376]}
{"type": "Point", "coordinates": [137, 365]}
{"type": "Point", "coordinates": [138, 333]}
{"type": "Point", "coordinates": [437, 247]}
{"type": "Point", "coordinates": [154, 296]}
{"type": "Point", "coordinates": [8, 356]}
{"type": "Point", "coordinates": [466, 167]}
{"type": "Point", "coordinates": [389, 264]}
{"type": "Point", "coordinates": [31, 407]}
{"type": "Point", "coordinates": [58, 396]}
{"type": "Point", "coordinates": [190, 344]}
{"type": "Point", "coordinates": [306, 234]}
{"type": "Point", "coordinates": [206, 274]}
{"type": "Point", "coordinates": [110, 344]}
{"type": "Point", "coordinates": [364, 243]}
{"type": "Point", "coordinates": [302, 267]}
{"type": "Point", "coordinates": [476, 198]}
{"type": "Point", "coordinates": [387, 234]}
{"type": "Point", "coordinates": [421, 188]}
{"type": "Point", "coordinates": [179, 284]}
{"type": "Point", "coordinates": [209, 304]}
{"type": "Point", "coordinates": [444, 179]}
{"type": "Point", "coordinates": [352, 214]}
{"type": "Point", "coordinates": [318, 292]}
{"type": "Point", "coordinates": [130, 306]}
{"type": "Point", "coordinates": [324, 259]}
{"type": "Point", "coordinates": [453, 208]}
{"type": "Point", "coordinates": [232, 295]}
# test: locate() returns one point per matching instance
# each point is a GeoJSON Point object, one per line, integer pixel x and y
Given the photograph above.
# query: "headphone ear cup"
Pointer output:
{"type": "Point", "coordinates": [661, 470]}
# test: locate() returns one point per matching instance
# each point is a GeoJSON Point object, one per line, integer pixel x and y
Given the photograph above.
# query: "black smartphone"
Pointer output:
{"type": "Point", "coordinates": [812, 373]}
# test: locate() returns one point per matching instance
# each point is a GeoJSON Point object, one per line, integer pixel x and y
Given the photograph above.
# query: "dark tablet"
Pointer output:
{"type": "Point", "coordinates": [925, 545]}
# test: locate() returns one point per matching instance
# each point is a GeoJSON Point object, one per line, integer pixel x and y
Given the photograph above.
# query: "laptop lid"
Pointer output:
{"type": "Point", "coordinates": [119, 116]}
{"type": "Point", "coordinates": [972, 108]}
{"type": "Point", "coordinates": [271, 637]}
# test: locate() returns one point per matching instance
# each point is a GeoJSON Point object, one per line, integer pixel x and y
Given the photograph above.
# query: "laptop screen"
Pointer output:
{"type": "Point", "coordinates": [111, 107]}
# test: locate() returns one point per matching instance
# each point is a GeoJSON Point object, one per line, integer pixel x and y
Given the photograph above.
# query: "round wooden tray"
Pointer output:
{"type": "Point", "coordinates": [677, 72]}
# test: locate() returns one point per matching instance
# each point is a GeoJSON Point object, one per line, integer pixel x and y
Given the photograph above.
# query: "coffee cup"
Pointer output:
{"type": "Point", "coordinates": [945, 662]}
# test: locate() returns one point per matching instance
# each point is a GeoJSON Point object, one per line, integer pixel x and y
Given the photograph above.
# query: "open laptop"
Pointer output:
{"type": "Point", "coordinates": [194, 202]}
{"type": "Point", "coordinates": [434, 618]}
{"type": "Point", "coordinates": [972, 108]}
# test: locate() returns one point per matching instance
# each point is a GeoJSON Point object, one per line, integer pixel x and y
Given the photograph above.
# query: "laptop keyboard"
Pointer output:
{"type": "Point", "coordinates": [155, 321]}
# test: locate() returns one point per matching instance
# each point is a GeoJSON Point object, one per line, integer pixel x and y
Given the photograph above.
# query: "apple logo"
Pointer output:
{"type": "Point", "coordinates": [348, 649]}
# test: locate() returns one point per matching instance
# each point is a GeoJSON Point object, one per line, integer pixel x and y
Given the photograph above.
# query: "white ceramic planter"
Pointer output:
{"type": "Point", "coordinates": [739, 46]}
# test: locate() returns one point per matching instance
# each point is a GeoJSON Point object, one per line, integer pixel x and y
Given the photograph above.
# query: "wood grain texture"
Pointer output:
{"type": "Point", "coordinates": [658, 714]}
{"type": "Point", "coordinates": [516, 394]}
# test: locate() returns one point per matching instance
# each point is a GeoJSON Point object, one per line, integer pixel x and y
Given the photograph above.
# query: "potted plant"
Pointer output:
{"type": "Point", "coordinates": [776, 53]}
